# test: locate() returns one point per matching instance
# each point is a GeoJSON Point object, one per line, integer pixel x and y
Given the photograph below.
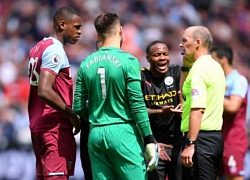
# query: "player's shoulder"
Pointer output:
{"type": "Point", "coordinates": [50, 45]}
{"type": "Point", "coordinates": [49, 41]}
{"type": "Point", "coordinates": [145, 69]}
{"type": "Point", "coordinates": [240, 74]}
{"type": "Point", "coordinates": [54, 50]}
{"type": "Point", "coordinates": [45, 46]}
{"type": "Point", "coordinates": [238, 77]}
{"type": "Point", "coordinates": [174, 70]}
{"type": "Point", "coordinates": [145, 72]}
{"type": "Point", "coordinates": [126, 54]}
{"type": "Point", "coordinates": [175, 67]}
{"type": "Point", "coordinates": [94, 56]}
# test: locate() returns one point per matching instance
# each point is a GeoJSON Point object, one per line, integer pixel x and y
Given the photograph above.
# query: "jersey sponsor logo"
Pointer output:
{"type": "Point", "coordinates": [161, 99]}
{"type": "Point", "coordinates": [161, 96]}
{"type": "Point", "coordinates": [55, 59]}
{"type": "Point", "coordinates": [195, 93]}
{"type": "Point", "coordinates": [161, 103]}
{"type": "Point", "coordinates": [169, 80]}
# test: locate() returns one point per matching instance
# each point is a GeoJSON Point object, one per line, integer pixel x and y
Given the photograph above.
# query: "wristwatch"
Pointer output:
{"type": "Point", "coordinates": [185, 69]}
{"type": "Point", "coordinates": [189, 142]}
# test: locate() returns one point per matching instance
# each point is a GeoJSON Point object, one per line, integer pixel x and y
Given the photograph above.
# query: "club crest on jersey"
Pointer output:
{"type": "Point", "coordinates": [55, 59]}
{"type": "Point", "coordinates": [195, 93]}
{"type": "Point", "coordinates": [169, 80]}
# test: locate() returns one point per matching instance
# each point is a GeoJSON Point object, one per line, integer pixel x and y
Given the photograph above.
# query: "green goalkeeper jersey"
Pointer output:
{"type": "Point", "coordinates": [108, 90]}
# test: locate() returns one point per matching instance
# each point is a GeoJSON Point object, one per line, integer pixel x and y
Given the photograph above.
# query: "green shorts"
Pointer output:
{"type": "Point", "coordinates": [116, 152]}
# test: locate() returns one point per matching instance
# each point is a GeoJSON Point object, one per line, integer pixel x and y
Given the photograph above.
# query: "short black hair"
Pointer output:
{"type": "Point", "coordinates": [65, 13]}
{"type": "Point", "coordinates": [223, 51]}
{"type": "Point", "coordinates": [151, 44]}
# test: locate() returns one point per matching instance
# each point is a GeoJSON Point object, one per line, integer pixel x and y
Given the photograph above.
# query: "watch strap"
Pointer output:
{"type": "Point", "coordinates": [185, 69]}
{"type": "Point", "coordinates": [190, 142]}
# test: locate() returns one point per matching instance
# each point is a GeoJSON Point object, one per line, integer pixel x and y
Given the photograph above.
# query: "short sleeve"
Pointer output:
{"type": "Point", "coordinates": [53, 58]}
{"type": "Point", "coordinates": [240, 87]}
{"type": "Point", "coordinates": [198, 92]}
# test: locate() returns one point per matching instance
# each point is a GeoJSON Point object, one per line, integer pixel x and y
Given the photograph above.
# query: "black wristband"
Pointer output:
{"type": "Point", "coordinates": [149, 139]}
{"type": "Point", "coordinates": [185, 69]}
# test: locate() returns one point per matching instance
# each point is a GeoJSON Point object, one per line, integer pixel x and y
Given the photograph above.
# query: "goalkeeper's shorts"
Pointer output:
{"type": "Point", "coordinates": [116, 152]}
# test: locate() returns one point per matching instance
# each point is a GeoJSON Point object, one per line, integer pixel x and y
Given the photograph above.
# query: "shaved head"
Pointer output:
{"type": "Point", "coordinates": [201, 32]}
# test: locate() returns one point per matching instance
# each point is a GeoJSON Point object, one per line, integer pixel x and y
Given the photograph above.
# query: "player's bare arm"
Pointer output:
{"type": "Point", "coordinates": [194, 127]}
{"type": "Point", "coordinates": [46, 92]}
{"type": "Point", "coordinates": [165, 110]}
{"type": "Point", "coordinates": [156, 112]}
{"type": "Point", "coordinates": [232, 104]}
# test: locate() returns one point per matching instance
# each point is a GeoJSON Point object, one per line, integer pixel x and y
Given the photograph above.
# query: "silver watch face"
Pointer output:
{"type": "Point", "coordinates": [189, 141]}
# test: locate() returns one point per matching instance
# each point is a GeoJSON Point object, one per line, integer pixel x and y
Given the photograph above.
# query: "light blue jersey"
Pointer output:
{"type": "Point", "coordinates": [236, 84]}
{"type": "Point", "coordinates": [54, 57]}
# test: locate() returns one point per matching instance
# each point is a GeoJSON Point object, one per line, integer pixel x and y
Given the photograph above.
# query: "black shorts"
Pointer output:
{"type": "Point", "coordinates": [207, 156]}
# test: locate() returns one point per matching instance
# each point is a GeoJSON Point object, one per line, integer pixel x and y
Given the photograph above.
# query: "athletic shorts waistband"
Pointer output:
{"type": "Point", "coordinates": [205, 131]}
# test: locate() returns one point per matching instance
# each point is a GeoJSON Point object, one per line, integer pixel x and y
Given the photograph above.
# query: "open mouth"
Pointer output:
{"type": "Point", "coordinates": [162, 66]}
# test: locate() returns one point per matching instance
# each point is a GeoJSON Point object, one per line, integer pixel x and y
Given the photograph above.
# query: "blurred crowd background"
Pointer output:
{"type": "Point", "coordinates": [24, 22]}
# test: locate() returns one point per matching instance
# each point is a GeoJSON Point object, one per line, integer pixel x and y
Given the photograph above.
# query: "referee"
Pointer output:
{"type": "Point", "coordinates": [203, 88]}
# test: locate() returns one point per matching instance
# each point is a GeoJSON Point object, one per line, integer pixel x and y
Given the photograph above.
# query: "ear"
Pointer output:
{"type": "Point", "coordinates": [120, 31]}
{"type": "Point", "coordinates": [224, 60]}
{"type": "Point", "coordinates": [62, 24]}
{"type": "Point", "coordinates": [198, 43]}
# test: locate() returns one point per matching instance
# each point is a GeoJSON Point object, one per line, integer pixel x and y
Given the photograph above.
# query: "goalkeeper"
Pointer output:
{"type": "Point", "coordinates": [110, 80]}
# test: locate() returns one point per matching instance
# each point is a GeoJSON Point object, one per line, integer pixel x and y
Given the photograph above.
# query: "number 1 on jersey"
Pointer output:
{"type": "Point", "coordinates": [101, 72]}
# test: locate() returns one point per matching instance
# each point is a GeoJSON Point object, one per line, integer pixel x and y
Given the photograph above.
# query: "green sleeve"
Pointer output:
{"type": "Point", "coordinates": [135, 97]}
{"type": "Point", "coordinates": [80, 96]}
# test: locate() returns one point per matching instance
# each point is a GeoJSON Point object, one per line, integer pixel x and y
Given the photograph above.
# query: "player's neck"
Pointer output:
{"type": "Point", "coordinates": [228, 69]}
{"type": "Point", "coordinates": [112, 42]}
{"type": "Point", "coordinates": [57, 36]}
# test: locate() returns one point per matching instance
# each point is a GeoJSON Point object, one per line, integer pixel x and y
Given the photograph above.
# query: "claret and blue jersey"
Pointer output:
{"type": "Point", "coordinates": [49, 55]}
